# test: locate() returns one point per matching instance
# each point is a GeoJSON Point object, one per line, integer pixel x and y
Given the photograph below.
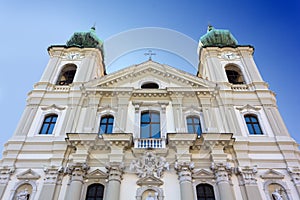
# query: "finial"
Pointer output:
{"type": "Point", "coordinates": [150, 54]}
{"type": "Point", "coordinates": [93, 28]}
{"type": "Point", "coordinates": [210, 27]}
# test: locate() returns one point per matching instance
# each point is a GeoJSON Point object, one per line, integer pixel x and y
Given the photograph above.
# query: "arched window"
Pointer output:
{"type": "Point", "coordinates": [48, 124]}
{"type": "Point", "coordinates": [67, 75]}
{"type": "Point", "coordinates": [234, 75]}
{"type": "Point", "coordinates": [106, 124]}
{"type": "Point", "coordinates": [95, 192]}
{"type": "Point", "coordinates": [150, 85]}
{"type": "Point", "coordinates": [193, 125]}
{"type": "Point", "coordinates": [150, 124]}
{"type": "Point", "coordinates": [253, 124]}
{"type": "Point", "coordinates": [205, 192]}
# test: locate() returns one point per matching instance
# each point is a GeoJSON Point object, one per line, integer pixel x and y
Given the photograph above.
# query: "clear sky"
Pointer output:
{"type": "Point", "coordinates": [29, 27]}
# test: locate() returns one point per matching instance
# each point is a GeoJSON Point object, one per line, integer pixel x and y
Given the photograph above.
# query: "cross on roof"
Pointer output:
{"type": "Point", "coordinates": [150, 54]}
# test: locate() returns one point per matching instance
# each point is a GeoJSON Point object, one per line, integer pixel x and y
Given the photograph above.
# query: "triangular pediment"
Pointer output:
{"type": "Point", "coordinates": [96, 174]}
{"type": "Point", "coordinates": [203, 174]}
{"type": "Point", "coordinates": [165, 75]}
{"type": "Point", "coordinates": [272, 174]}
{"type": "Point", "coordinates": [28, 175]}
{"type": "Point", "coordinates": [149, 181]}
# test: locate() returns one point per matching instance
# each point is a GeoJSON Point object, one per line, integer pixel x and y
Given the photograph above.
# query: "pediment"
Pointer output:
{"type": "Point", "coordinates": [28, 175]}
{"type": "Point", "coordinates": [166, 76]}
{"type": "Point", "coordinates": [203, 174]}
{"type": "Point", "coordinates": [272, 174]}
{"type": "Point", "coordinates": [149, 181]}
{"type": "Point", "coordinates": [96, 174]}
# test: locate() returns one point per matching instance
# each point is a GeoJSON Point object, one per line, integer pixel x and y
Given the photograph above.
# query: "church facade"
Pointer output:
{"type": "Point", "coordinates": [151, 131]}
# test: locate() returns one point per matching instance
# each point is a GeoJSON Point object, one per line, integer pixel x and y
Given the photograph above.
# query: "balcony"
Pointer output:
{"type": "Point", "coordinates": [150, 143]}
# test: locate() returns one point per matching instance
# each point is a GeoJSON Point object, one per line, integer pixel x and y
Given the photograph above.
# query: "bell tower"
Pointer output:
{"type": "Point", "coordinates": [223, 60]}
{"type": "Point", "coordinates": [78, 61]}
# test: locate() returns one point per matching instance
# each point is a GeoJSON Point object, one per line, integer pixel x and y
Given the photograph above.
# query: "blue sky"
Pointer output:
{"type": "Point", "coordinates": [29, 27]}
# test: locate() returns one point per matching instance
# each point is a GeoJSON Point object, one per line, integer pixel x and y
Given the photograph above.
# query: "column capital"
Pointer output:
{"type": "Point", "coordinates": [115, 171]}
{"type": "Point", "coordinates": [184, 170]}
{"type": "Point", "coordinates": [247, 174]}
{"type": "Point", "coordinates": [222, 171]}
{"type": "Point", "coordinates": [77, 171]}
{"type": "Point", "coordinates": [52, 174]}
{"type": "Point", "coordinates": [5, 173]}
{"type": "Point", "coordinates": [295, 174]}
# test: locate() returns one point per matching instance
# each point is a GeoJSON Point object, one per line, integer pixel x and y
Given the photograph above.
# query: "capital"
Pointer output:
{"type": "Point", "coordinates": [184, 170]}
{"type": "Point", "coordinates": [115, 171]}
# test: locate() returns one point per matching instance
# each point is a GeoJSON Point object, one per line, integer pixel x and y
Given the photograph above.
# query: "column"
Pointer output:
{"type": "Point", "coordinates": [184, 170]}
{"type": "Point", "coordinates": [115, 171]}
{"type": "Point", "coordinates": [249, 182]}
{"type": "Point", "coordinates": [77, 171]}
{"type": "Point", "coordinates": [52, 180]}
{"type": "Point", "coordinates": [5, 174]}
{"type": "Point", "coordinates": [222, 173]}
{"type": "Point", "coordinates": [295, 174]}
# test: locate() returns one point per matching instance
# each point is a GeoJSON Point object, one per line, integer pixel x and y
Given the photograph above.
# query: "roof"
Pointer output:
{"type": "Point", "coordinates": [218, 38]}
{"type": "Point", "coordinates": [85, 39]}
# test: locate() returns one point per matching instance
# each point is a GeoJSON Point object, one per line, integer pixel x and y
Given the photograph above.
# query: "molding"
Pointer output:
{"type": "Point", "coordinates": [149, 181]}
{"type": "Point", "coordinates": [28, 175]}
{"type": "Point", "coordinates": [53, 106]}
{"type": "Point", "coordinates": [203, 174]}
{"type": "Point", "coordinates": [248, 107]}
{"type": "Point", "coordinates": [272, 174]}
{"type": "Point", "coordinates": [96, 174]}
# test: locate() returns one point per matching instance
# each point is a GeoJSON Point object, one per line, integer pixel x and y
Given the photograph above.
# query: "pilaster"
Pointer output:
{"type": "Point", "coordinates": [248, 182]}
{"type": "Point", "coordinates": [295, 174]}
{"type": "Point", "coordinates": [5, 174]}
{"type": "Point", "coordinates": [52, 182]}
{"type": "Point", "coordinates": [115, 171]}
{"type": "Point", "coordinates": [77, 172]}
{"type": "Point", "coordinates": [223, 172]}
{"type": "Point", "coordinates": [184, 170]}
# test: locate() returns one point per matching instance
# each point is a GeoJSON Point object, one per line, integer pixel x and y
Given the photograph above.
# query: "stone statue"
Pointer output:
{"type": "Point", "coordinates": [276, 195]}
{"type": "Point", "coordinates": [23, 195]}
{"type": "Point", "coordinates": [150, 197]}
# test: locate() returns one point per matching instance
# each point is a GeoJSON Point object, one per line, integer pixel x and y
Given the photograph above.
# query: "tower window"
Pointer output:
{"type": "Point", "coordinates": [205, 192]}
{"type": "Point", "coordinates": [234, 75]}
{"type": "Point", "coordinates": [193, 125]}
{"type": "Point", "coordinates": [253, 125]}
{"type": "Point", "coordinates": [48, 125]}
{"type": "Point", "coordinates": [150, 124]}
{"type": "Point", "coordinates": [67, 75]}
{"type": "Point", "coordinates": [106, 124]}
{"type": "Point", "coordinates": [95, 192]}
{"type": "Point", "coordinates": [150, 85]}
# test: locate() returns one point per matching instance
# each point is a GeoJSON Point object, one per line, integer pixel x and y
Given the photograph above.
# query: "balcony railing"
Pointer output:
{"type": "Point", "coordinates": [152, 143]}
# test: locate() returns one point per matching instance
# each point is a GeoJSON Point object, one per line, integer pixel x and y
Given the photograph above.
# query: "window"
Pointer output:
{"type": "Point", "coordinates": [234, 75]}
{"type": "Point", "coordinates": [253, 125]}
{"type": "Point", "coordinates": [67, 75]}
{"type": "Point", "coordinates": [106, 124]}
{"type": "Point", "coordinates": [48, 125]}
{"type": "Point", "coordinates": [193, 125]}
{"type": "Point", "coordinates": [150, 124]}
{"type": "Point", "coordinates": [150, 85]}
{"type": "Point", "coordinates": [205, 192]}
{"type": "Point", "coordinates": [95, 192]}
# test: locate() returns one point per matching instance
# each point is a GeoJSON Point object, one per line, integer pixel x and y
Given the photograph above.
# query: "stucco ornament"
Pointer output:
{"type": "Point", "coordinates": [149, 164]}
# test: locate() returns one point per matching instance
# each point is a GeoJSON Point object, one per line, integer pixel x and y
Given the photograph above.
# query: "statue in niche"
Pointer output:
{"type": "Point", "coordinates": [276, 195]}
{"type": "Point", "coordinates": [23, 195]}
{"type": "Point", "coordinates": [151, 197]}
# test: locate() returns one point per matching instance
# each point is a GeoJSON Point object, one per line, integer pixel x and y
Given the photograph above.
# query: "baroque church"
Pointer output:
{"type": "Point", "coordinates": [151, 131]}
